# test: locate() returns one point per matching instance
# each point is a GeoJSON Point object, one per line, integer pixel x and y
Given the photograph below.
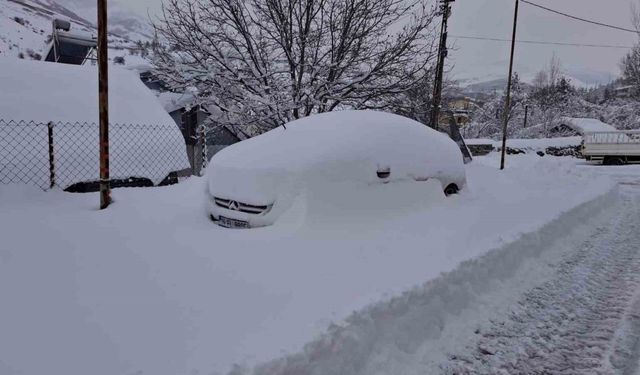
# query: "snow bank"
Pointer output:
{"type": "Point", "coordinates": [534, 144]}
{"type": "Point", "coordinates": [479, 141]}
{"type": "Point", "coordinates": [416, 331]}
{"type": "Point", "coordinates": [166, 292]}
{"type": "Point", "coordinates": [145, 143]}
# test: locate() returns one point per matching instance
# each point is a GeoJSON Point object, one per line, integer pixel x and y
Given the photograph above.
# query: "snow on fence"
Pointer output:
{"type": "Point", "coordinates": [66, 155]}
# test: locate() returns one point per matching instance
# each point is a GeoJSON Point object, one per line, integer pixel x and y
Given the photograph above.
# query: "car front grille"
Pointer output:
{"type": "Point", "coordinates": [239, 206]}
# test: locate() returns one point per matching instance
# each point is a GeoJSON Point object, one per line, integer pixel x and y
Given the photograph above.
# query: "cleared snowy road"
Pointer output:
{"type": "Point", "coordinates": [568, 302]}
{"type": "Point", "coordinates": [584, 319]}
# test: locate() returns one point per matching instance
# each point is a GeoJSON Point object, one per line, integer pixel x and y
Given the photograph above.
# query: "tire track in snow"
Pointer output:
{"type": "Point", "coordinates": [585, 320]}
{"type": "Point", "coordinates": [625, 356]}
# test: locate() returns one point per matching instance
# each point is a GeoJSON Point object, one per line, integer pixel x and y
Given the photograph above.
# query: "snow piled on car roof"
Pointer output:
{"type": "Point", "coordinates": [335, 146]}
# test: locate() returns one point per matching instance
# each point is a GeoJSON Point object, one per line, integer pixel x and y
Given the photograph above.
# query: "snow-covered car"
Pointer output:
{"type": "Point", "coordinates": [252, 183]}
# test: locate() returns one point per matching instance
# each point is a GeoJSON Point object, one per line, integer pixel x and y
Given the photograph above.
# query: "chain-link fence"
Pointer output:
{"type": "Point", "coordinates": [66, 155]}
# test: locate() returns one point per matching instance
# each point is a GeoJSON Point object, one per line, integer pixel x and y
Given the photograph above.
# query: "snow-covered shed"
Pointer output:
{"type": "Point", "coordinates": [144, 140]}
{"type": "Point", "coordinates": [189, 116]}
{"type": "Point", "coordinates": [584, 125]}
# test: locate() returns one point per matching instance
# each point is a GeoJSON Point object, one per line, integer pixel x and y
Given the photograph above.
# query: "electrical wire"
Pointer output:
{"type": "Point", "coordinates": [581, 19]}
{"type": "Point", "coordinates": [541, 42]}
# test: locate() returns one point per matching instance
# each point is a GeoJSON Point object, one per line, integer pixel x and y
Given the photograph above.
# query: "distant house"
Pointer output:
{"type": "Point", "coordinates": [572, 126]}
{"type": "Point", "coordinates": [461, 103]}
{"type": "Point", "coordinates": [461, 108]}
{"type": "Point", "coordinates": [626, 91]}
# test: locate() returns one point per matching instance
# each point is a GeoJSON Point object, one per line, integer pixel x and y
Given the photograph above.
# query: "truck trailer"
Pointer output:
{"type": "Point", "coordinates": [612, 147]}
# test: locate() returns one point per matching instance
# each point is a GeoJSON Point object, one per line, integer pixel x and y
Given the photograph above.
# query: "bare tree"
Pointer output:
{"type": "Point", "coordinates": [261, 63]}
{"type": "Point", "coordinates": [554, 70]}
{"type": "Point", "coordinates": [630, 64]}
{"type": "Point", "coordinates": [549, 75]}
{"type": "Point", "coordinates": [540, 80]}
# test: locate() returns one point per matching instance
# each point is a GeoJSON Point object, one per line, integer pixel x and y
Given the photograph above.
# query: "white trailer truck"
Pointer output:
{"type": "Point", "coordinates": [612, 148]}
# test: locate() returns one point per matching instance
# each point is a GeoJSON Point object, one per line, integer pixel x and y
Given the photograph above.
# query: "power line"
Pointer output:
{"type": "Point", "coordinates": [581, 19]}
{"type": "Point", "coordinates": [541, 42]}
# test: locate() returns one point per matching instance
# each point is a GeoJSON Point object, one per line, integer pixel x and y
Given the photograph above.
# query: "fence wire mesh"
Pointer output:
{"type": "Point", "coordinates": [66, 155]}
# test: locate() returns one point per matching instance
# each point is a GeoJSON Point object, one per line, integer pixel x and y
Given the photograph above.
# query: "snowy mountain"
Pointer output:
{"type": "Point", "coordinates": [123, 21]}
{"type": "Point", "coordinates": [494, 77]}
{"type": "Point", "coordinates": [25, 26]}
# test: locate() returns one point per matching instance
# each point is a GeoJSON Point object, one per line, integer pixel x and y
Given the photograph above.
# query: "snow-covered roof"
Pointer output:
{"type": "Point", "coordinates": [586, 125]}
{"type": "Point", "coordinates": [42, 92]}
{"type": "Point", "coordinates": [172, 101]}
{"type": "Point", "coordinates": [622, 88]}
{"type": "Point", "coordinates": [141, 67]}
{"type": "Point", "coordinates": [334, 146]}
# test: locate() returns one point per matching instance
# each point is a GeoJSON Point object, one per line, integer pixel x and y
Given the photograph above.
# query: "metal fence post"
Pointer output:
{"type": "Point", "coordinates": [52, 165]}
{"type": "Point", "coordinates": [203, 152]}
{"type": "Point", "coordinates": [103, 104]}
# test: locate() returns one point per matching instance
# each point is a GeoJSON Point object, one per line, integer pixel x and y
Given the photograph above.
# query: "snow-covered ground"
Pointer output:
{"type": "Point", "coordinates": [152, 286]}
{"type": "Point", "coordinates": [580, 314]}
{"type": "Point", "coordinates": [572, 321]}
{"type": "Point", "coordinates": [533, 144]}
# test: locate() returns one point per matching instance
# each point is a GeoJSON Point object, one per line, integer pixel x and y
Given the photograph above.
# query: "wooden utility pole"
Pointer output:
{"type": "Point", "coordinates": [103, 104]}
{"type": "Point", "coordinates": [526, 115]}
{"type": "Point", "coordinates": [445, 8]}
{"type": "Point", "coordinates": [507, 104]}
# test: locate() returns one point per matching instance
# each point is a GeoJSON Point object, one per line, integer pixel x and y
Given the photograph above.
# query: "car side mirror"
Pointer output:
{"type": "Point", "coordinates": [383, 173]}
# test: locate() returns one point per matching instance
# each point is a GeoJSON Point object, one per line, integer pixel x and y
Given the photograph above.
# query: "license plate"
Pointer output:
{"type": "Point", "coordinates": [233, 223]}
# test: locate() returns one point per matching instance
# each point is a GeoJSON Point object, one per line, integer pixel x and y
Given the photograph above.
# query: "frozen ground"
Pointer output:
{"type": "Point", "coordinates": [150, 286]}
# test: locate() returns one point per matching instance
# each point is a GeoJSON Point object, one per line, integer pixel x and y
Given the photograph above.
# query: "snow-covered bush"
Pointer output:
{"type": "Point", "coordinates": [547, 106]}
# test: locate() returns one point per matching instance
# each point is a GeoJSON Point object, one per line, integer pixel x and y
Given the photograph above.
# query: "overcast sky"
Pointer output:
{"type": "Point", "coordinates": [493, 18]}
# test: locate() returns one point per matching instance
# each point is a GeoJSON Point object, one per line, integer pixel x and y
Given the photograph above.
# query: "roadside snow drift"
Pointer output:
{"type": "Point", "coordinates": [142, 132]}
{"type": "Point", "coordinates": [533, 144]}
{"type": "Point", "coordinates": [151, 286]}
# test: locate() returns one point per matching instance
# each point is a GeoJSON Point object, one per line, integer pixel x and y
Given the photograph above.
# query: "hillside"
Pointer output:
{"type": "Point", "coordinates": [26, 28]}
{"type": "Point", "coordinates": [493, 77]}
